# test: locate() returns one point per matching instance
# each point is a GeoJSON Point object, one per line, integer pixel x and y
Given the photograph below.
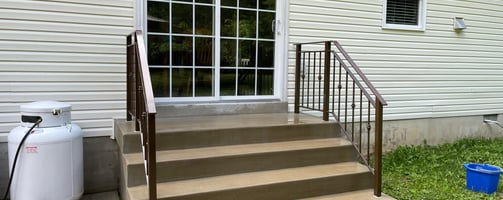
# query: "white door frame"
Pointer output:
{"type": "Point", "coordinates": [280, 61]}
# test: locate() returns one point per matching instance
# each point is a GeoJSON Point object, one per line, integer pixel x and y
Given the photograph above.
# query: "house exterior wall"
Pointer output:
{"type": "Point", "coordinates": [422, 74]}
{"type": "Point", "coordinates": [65, 50]}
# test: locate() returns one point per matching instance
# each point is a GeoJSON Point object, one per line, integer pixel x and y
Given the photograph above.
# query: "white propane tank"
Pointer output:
{"type": "Point", "coordinates": [50, 163]}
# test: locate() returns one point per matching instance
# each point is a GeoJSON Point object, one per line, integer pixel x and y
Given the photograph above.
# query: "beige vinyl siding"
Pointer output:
{"type": "Point", "coordinates": [65, 50]}
{"type": "Point", "coordinates": [422, 74]}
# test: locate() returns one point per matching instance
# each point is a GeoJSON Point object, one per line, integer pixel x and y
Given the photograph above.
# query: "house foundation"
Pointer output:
{"type": "Point", "coordinates": [434, 131]}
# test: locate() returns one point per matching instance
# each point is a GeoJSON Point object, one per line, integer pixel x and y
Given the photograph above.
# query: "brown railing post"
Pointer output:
{"type": "Point", "coordinates": [298, 50]}
{"type": "Point", "coordinates": [129, 46]}
{"type": "Point", "coordinates": [378, 148]}
{"type": "Point", "coordinates": [152, 171]}
{"type": "Point", "coordinates": [326, 81]}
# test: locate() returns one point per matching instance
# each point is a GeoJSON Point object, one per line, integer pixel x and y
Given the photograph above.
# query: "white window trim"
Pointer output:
{"type": "Point", "coordinates": [421, 23]}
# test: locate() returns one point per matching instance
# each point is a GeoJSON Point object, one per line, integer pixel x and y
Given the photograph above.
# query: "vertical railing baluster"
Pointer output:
{"type": "Point", "coordinates": [340, 88]}
{"type": "Point", "coordinates": [353, 105]}
{"type": "Point", "coordinates": [314, 80]}
{"type": "Point", "coordinates": [346, 104]}
{"type": "Point", "coordinates": [361, 121]}
{"type": "Point", "coordinates": [319, 81]}
{"type": "Point", "coordinates": [308, 77]}
{"type": "Point", "coordinates": [303, 76]}
{"type": "Point", "coordinates": [368, 131]}
{"type": "Point", "coordinates": [333, 85]}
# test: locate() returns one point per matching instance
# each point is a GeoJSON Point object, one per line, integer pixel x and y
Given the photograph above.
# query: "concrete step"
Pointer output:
{"type": "Point", "coordinates": [197, 132]}
{"type": "Point", "coordinates": [223, 160]}
{"type": "Point", "coordinates": [291, 183]}
{"type": "Point", "coordinates": [252, 156]}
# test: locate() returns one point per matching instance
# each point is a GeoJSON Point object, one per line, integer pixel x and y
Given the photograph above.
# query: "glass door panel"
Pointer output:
{"type": "Point", "coordinates": [254, 43]}
{"type": "Point", "coordinates": [182, 43]}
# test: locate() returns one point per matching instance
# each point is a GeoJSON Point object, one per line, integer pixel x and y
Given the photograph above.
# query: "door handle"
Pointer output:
{"type": "Point", "coordinates": [273, 25]}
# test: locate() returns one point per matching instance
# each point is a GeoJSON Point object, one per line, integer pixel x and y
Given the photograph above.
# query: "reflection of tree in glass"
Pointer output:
{"type": "Point", "coordinates": [158, 50]}
{"type": "Point", "coordinates": [246, 28]}
{"type": "Point", "coordinates": [182, 18]}
{"type": "Point", "coordinates": [228, 53]}
{"type": "Point", "coordinates": [182, 45]}
{"type": "Point", "coordinates": [246, 53]}
{"type": "Point", "coordinates": [265, 54]}
{"type": "Point", "coordinates": [247, 24]}
{"type": "Point", "coordinates": [265, 21]}
{"type": "Point", "coordinates": [248, 3]}
{"type": "Point", "coordinates": [228, 22]}
{"type": "Point", "coordinates": [204, 20]}
{"type": "Point", "coordinates": [160, 81]}
{"type": "Point", "coordinates": [182, 51]}
{"type": "Point", "coordinates": [158, 16]}
{"type": "Point", "coordinates": [267, 4]}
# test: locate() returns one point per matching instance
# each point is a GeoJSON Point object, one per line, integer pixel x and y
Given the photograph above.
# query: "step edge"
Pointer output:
{"type": "Point", "coordinates": [183, 130]}
{"type": "Point", "coordinates": [137, 158]}
{"type": "Point", "coordinates": [360, 170]}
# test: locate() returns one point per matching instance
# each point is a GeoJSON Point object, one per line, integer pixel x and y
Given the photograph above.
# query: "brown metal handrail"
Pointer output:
{"type": "Point", "coordinates": [141, 105]}
{"type": "Point", "coordinates": [322, 80]}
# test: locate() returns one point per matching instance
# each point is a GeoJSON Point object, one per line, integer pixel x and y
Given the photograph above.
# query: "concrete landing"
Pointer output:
{"type": "Point", "coordinates": [234, 121]}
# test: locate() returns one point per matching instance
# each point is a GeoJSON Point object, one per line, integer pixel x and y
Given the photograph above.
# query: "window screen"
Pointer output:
{"type": "Point", "coordinates": [405, 12]}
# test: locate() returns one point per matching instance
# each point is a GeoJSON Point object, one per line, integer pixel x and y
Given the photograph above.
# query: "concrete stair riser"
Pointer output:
{"type": "Point", "coordinates": [217, 137]}
{"type": "Point", "coordinates": [288, 190]}
{"type": "Point", "coordinates": [216, 166]}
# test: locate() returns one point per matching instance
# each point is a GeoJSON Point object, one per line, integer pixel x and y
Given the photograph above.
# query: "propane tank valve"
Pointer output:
{"type": "Point", "coordinates": [56, 111]}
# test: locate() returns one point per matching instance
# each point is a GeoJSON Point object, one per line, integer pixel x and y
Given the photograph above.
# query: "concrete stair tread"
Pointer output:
{"type": "Point", "coordinates": [208, 131]}
{"type": "Point", "coordinates": [367, 194]}
{"type": "Point", "coordinates": [252, 179]}
{"type": "Point", "coordinates": [218, 122]}
{"type": "Point", "coordinates": [235, 150]}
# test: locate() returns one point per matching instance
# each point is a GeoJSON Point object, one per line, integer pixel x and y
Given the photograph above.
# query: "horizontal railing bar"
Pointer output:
{"type": "Point", "coordinates": [317, 42]}
{"type": "Point", "coordinates": [360, 73]}
{"type": "Point", "coordinates": [147, 88]}
{"type": "Point", "coordinates": [354, 78]}
{"type": "Point", "coordinates": [313, 51]}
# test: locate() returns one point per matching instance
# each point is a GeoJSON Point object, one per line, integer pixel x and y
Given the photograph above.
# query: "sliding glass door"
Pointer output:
{"type": "Point", "coordinates": [211, 49]}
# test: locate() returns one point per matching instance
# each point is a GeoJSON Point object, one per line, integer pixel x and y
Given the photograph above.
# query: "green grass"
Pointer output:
{"type": "Point", "coordinates": [437, 172]}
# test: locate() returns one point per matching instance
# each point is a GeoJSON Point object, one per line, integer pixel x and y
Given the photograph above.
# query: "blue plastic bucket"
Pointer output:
{"type": "Point", "coordinates": [482, 177]}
